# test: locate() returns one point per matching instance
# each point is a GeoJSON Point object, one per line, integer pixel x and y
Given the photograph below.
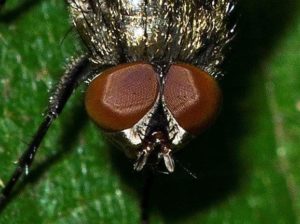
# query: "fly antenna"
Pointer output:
{"type": "Point", "coordinates": [187, 170]}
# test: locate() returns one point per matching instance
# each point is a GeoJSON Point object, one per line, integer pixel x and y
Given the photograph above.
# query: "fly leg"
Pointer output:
{"type": "Point", "coordinates": [146, 191]}
{"type": "Point", "coordinates": [74, 75]}
{"type": "Point", "coordinates": [2, 2]}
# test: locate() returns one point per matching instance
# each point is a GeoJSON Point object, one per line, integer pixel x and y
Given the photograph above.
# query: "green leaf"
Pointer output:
{"type": "Point", "coordinates": [247, 164]}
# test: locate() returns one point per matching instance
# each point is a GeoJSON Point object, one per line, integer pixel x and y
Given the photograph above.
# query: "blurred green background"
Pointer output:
{"type": "Point", "coordinates": [248, 164]}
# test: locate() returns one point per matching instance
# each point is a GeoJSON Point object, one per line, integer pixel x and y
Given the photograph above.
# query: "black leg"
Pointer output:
{"type": "Point", "coordinates": [146, 197]}
{"type": "Point", "coordinates": [2, 3]}
{"type": "Point", "coordinates": [73, 76]}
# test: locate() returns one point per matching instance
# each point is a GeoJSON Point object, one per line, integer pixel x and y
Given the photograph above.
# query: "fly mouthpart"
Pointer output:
{"type": "Point", "coordinates": [168, 160]}
{"type": "Point", "coordinates": [151, 156]}
{"type": "Point", "coordinates": [141, 160]}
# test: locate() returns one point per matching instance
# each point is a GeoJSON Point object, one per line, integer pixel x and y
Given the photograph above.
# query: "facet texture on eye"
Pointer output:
{"type": "Point", "coordinates": [192, 96]}
{"type": "Point", "coordinates": [119, 97]}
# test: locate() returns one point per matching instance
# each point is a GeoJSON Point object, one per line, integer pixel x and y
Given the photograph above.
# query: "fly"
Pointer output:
{"type": "Point", "coordinates": [152, 70]}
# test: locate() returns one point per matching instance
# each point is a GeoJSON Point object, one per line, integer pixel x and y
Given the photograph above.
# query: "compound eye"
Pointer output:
{"type": "Point", "coordinates": [119, 97]}
{"type": "Point", "coordinates": [192, 96]}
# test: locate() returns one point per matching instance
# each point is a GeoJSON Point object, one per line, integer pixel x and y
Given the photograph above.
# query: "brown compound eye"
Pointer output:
{"type": "Point", "coordinates": [119, 97]}
{"type": "Point", "coordinates": [192, 96]}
